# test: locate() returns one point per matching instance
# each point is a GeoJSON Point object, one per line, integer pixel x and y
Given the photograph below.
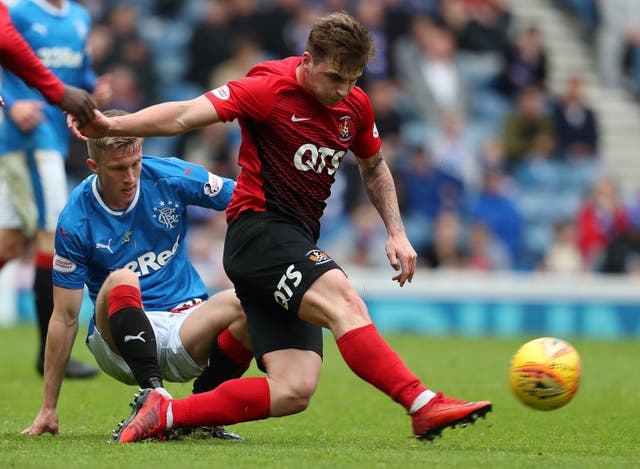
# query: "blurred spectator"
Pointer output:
{"type": "Point", "coordinates": [485, 253]}
{"type": "Point", "coordinates": [622, 255]}
{"type": "Point", "coordinates": [275, 22]}
{"type": "Point", "coordinates": [496, 209]}
{"type": "Point", "coordinates": [100, 44]}
{"type": "Point", "coordinates": [371, 15]}
{"type": "Point", "coordinates": [524, 125]}
{"type": "Point", "coordinates": [130, 50]}
{"type": "Point", "coordinates": [539, 171]}
{"type": "Point", "coordinates": [126, 92]}
{"type": "Point", "coordinates": [122, 21]}
{"type": "Point", "coordinates": [245, 53]}
{"type": "Point", "coordinates": [563, 255]}
{"type": "Point", "coordinates": [491, 152]}
{"type": "Point", "coordinates": [445, 251]}
{"type": "Point", "coordinates": [453, 149]}
{"type": "Point", "coordinates": [384, 96]}
{"type": "Point", "coordinates": [601, 218]}
{"type": "Point", "coordinates": [209, 45]}
{"type": "Point", "coordinates": [427, 66]}
{"type": "Point", "coordinates": [298, 29]}
{"type": "Point", "coordinates": [586, 13]}
{"type": "Point", "coordinates": [488, 27]}
{"type": "Point", "coordinates": [214, 147]}
{"type": "Point", "coordinates": [453, 15]}
{"type": "Point", "coordinates": [425, 191]}
{"type": "Point", "coordinates": [575, 123]}
{"type": "Point", "coordinates": [619, 35]}
{"type": "Point", "coordinates": [245, 20]}
{"type": "Point", "coordinates": [525, 64]}
{"type": "Point", "coordinates": [369, 237]}
{"type": "Point", "coordinates": [168, 8]}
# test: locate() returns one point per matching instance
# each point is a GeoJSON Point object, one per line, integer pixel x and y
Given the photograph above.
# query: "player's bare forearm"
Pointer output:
{"type": "Point", "coordinates": [60, 337]}
{"type": "Point", "coordinates": [165, 119]}
{"type": "Point", "coordinates": [381, 190]}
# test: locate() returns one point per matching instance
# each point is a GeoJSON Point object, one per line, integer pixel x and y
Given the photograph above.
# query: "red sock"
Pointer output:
{"type": "Point", "coordinates": [371, 358]}
{"type": "Point", "coordinates": [122, 296]}
{"type": "Point", "coordinates": [234, 349]}
{"type": "Point", "coordinates": [237, 400]}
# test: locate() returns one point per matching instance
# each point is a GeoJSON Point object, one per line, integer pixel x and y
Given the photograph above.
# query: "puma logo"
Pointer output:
{"type": "Point", "coordinates": [105, 246]}
{"type": "Point", "coordinates": [127, 338]}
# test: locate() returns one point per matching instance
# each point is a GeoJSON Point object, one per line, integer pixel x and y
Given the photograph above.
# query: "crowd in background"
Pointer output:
{"type": "Point", "coordinates": [494, 172]}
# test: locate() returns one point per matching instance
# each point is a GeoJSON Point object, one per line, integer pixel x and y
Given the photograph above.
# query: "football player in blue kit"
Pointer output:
{"type": "Point", "coordinates": [34, 143]}
{"type": "Point", "coordinates": [122, 234]}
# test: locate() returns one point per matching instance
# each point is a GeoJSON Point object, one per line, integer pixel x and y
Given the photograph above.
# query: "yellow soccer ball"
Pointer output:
{"type": "Point", "coordinates": [545, 373]}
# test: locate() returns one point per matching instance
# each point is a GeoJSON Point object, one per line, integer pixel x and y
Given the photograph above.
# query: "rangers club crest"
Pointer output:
{"type": "Point", "coordinates": [344, 128]}
{"type": "Point", "coordinates": [166, 214]}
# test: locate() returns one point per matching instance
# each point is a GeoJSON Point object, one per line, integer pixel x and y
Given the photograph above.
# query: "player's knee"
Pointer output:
{"type": "Point", "coordinates": [356, 305]}
{"type": "Point", "coordinates": [297, 396]}
{"type": "Point", "coordinates": [123, 277]}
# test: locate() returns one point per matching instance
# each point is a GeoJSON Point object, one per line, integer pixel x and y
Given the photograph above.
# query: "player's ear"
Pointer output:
{"type": "Point", "coordinates": [307, 60]}
{"type": "Point", "coordinates": [92, 165]}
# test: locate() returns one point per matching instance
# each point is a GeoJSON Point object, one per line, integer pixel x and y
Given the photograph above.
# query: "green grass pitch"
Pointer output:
{"type": "Point", "coordinates": [349, 424]}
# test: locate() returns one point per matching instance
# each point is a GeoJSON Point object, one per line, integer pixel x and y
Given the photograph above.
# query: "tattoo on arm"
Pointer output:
{"type": "Point", "coordinates": [381, 190]}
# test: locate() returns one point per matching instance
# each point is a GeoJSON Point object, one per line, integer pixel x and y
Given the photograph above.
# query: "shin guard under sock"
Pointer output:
{"type": "Point", "coordinates": [234, 401]}
{"type": "Point", "coordinates": [371, 358]}
{"type": "Point", "coordinates": [228, 359]}
{"type": "Point", "coordinates": [133, 335]}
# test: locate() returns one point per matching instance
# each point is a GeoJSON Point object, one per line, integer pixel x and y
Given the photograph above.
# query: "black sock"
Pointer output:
{"type": "Point", "coordinates": [220, 369]}
{"type": "Point", "coordinates": [43, 296]}
{"type": "Point", "coordinates": [133, 335]}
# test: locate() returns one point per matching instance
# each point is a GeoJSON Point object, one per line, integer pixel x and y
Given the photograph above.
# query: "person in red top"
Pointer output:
{"type": "Point", "coordinates": [19, 58]}
{"type": "Point", "coordinates": [299, 117]}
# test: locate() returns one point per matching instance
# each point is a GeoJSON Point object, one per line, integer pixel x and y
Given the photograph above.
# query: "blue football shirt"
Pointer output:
{"type": "Point", "coordinates": [147, 237]}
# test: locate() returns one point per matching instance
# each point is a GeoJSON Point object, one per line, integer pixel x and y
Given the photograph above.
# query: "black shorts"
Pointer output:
{"type": "Point", "coordinates": [272, 262]}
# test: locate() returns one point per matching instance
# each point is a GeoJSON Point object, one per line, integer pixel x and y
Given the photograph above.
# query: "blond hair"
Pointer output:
{"type": "Point", "coordinates": [98, 146]}
{"type": "Point", "coordinates": [341, 39]}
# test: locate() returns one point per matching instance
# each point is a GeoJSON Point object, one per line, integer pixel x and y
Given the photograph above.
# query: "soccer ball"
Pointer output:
{"type": "Point", "coordinates": [545, 373]}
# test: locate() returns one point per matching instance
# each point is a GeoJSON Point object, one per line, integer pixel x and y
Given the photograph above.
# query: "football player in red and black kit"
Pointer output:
{"type": "Point", "coordinates": [299, 117]}
{"type": "Point", "coordinates": [19, 58]}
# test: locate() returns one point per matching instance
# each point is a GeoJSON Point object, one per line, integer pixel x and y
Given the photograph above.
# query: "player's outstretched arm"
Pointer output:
{"type": "Point", "coordinates": [62, 332]}
{"type": "Point", "coordinates": [160, 120]}
{"type": "Point", "coordinates": [381, 190]}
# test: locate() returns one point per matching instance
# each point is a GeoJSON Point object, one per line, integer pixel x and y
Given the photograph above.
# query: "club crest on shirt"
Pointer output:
{"type": "Point", "coordinates": [166, 213]}
{"type": "Point", "coordinates": [344, 128]}
{"type": "Point", "coordinates": [318, 256]}
{"type": "Point", "coordinates": [127, 236]}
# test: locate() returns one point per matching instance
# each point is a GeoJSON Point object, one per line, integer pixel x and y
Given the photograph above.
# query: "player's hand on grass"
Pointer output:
{"type": "Point", "coordinates": [402, 257]}
{"type": "Point", "coordinates": [45, 422]}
